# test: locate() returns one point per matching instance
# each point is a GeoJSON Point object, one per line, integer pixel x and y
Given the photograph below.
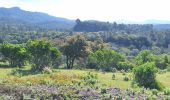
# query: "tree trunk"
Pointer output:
{"type": "Point", "coordinates": [68, 62]}
{"type": "Point", "coordinates": [72, 62]}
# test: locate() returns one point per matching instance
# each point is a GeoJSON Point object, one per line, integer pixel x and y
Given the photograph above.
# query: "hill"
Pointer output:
{"type": "Point", "coordinates": [16, 16]}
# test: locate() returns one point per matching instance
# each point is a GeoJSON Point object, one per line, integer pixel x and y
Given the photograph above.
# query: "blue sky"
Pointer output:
{"type": "Point", "coordinates": [104, 10]}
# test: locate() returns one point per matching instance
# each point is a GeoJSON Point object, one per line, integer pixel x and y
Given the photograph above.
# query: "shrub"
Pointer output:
{"type": "Point", "coordinates": [113, 76]}
{"type": "Point", "coordinates": [105, 59]}
{"type": "Point", "coordinates": [90, 79]}
{"type": "Point", "coordinates": [145, 75]}
{"type": "Point", "coordinates": [103, 91]}
{"type": "Point", "coordinates": [143, 57]}
{"type": "Point", "coordinates": [154, 91]}
{"type": "Point", "coordinates": [167, 92]}
{"type": "Point", "coordinates": [168, 68]}
{"type": "Point", "coordinates": [126, 78]}
{"type": "Point", "coordinates": [161, 61]}
{"type": "Point", "coordinates": [125, 66]}
{"type": "Point", "coordinates": [114, 70]}
{"type": "Point", "coordinates": [151, 97]}
{"type": "Point", "coordinates": [123, 72]}
{"type": "Point", "coordinates": [162, 71]}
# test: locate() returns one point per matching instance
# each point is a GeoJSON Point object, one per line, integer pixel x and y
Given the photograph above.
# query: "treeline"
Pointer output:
{"type": "Point", "coordinates": [76, 51]}
{"type": "Point", "coordinates": [129, 40]}
{"type": "Point", "coordinates": [95, 26]}
{"type": "Point", "coordinates": [128, 44]}
{"type": "Point", "coordinates": [76, 48]}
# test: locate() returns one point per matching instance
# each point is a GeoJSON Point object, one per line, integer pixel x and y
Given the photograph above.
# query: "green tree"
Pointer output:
{"type": "Point", "coordinates": [75, 47]}
{"type": "Point", "coordinates": [145, 75]}
{"type": "Point", "coordinates": [143, 57]}
{"type": "Point", "coordinates": [106, 59]}
{"type": "Point", "coordinates": [42, 53]}
{"type": "Point", "coordinates": [15, 54]}
{"type": "Point", "coordinates": [125, 66]}
{"type": "Point", "coordinates": [161, 61]}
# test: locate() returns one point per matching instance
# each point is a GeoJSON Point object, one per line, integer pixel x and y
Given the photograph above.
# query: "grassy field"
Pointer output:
{"type": "Point", "coordinates": [13, 76]}
{"type": "Point", "coordinates": [22, 83]}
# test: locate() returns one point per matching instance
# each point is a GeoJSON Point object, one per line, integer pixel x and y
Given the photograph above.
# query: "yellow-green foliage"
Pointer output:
{"type": "Point", "coordinates": [164, 79]}
{"type": "Point", "coordinates": [53, 78]}
{"type": "Point", "coordinates": [4, 72]}
{"type": "Point", "coordinates": [73, 76]}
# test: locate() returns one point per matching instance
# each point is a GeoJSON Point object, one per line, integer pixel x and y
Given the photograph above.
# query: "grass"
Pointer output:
{"type": "Point", "coordinates": [63, 76]}
{"type": "Point", "coordinates": [4, 72]}
{"type": "Point", "coordinates": [164, 79]}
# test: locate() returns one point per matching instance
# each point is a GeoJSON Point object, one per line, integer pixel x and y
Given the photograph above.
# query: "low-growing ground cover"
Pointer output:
{"type": "Point", "coordinates": [75, 84]}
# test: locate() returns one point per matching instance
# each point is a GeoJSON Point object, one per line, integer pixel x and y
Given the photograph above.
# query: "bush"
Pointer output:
{"type": "Point", "coordinates": [143, 57]}
{"type": "Point", "coordinates": [90, 79]}
{"type": "Point", "coordinates": [103, 91]}
{"type": "Point", "coordinates": [113, 76]}
{"type": "Point", "coordinates": [125, 66]}
{"type": "Point", "coordinates": [161, 61]}
{"type": "Point", "coordinates": [126, 78]}
{"type": "Point", "coordinates": [162, 71]}
{"type": "Point", "coordinates": [145, 75]}
{"type": "Point", "coordinates": [114, 70]}
{"type": "Point", "coordinates": [154, 91]}
{"type": "Point", "coordinates": [105, 59]}
{"type": "Point", "coordinates": [168, 69]}
{"type": "Point", "coordinates": [123, 72]}
{"type": "Point", "coordinates": [167, 92]}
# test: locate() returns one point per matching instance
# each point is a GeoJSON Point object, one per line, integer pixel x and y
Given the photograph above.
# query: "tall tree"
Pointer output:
{"type": "Point", "coordinates": [106, 59]}
{"type": "Point", "coordinates": [75, 47]}
{"type": "Point", "coordinates": [42, 53]}
{"type": "Point", "coordinates": [15, 54]}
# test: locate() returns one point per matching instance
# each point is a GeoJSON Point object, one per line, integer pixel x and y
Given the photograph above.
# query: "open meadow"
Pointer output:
{"type": "Point", "coordinates": [76, 84]}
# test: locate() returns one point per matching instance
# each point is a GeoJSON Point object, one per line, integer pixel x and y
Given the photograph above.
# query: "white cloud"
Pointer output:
{"type": "Point", "coordinates": [135, 10]}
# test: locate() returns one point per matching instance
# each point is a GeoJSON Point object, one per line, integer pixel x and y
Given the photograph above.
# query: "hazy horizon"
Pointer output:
{"type": "Point", "coordinates": [103, 10]}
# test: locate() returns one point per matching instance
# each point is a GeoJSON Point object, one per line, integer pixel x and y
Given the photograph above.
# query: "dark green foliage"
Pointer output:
{"type": "Point", "coordinates": [154, 91]}
{"type": "Point", "coordinates": [106, 59]}
{"type": "Point", "coordinates": [103, 91]}
{"type": "Point", "coordinates": [16, 55]}
{"type": "Point", "coordinates": [91, 26]}
{"type": "Point", "coordinates": [95, 26]}
{"type": "Point", "coordinates": [129, 40]}
{"type": "Point", "coordinates": [161, 61]}
{"type": "Point", "coordinates": [113, 76]}
{"type": "Point", "coordinates": [143, 57]}
{"type": "Point", "coordinates": [145, 75]}
{"type": "Point", "coordinates": [126, 66]}
{"type": "Point", "coordinates": [42, 53]}
{"type": "Point", "coordinates": [74, 48]}
{"type": "Point", "coordinates": [126, 78]}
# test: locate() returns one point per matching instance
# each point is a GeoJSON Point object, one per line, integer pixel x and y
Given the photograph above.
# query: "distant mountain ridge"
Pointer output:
{"type": "Point", "coordinates": [17, 16]}
{"type": "Point", "coordinates": [20, 18]}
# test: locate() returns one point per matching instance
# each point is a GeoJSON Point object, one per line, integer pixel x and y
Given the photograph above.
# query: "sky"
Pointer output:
{"type": "Point", "coordinates": [103, 10]}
